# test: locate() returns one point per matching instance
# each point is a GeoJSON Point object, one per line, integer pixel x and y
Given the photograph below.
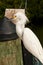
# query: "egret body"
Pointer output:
{"type": "Point", "coordinates": [30, 40]}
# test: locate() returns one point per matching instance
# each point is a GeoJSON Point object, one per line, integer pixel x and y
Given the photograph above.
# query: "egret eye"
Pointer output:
{"type": "Point", "coordinates": [14, 17]}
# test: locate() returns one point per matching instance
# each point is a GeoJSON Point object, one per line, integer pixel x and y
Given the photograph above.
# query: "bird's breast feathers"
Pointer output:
{"type": "Point", "coordinates": [29, 35]}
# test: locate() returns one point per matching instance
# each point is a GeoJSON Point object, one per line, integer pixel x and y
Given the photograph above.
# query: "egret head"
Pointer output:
{"type": "Point", "coordinates": [20, 17]}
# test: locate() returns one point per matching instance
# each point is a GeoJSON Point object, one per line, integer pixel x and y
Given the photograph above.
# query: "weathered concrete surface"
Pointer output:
{"type": "Point", "coordinates": [11, 53]}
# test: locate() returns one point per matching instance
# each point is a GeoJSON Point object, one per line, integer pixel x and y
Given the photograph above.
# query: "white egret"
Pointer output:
{"type": "Point", "coordinates": [30, 40]}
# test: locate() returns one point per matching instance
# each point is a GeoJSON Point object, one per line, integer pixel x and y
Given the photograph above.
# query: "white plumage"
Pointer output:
{"type": "Point", "coordinates": [30, 40]}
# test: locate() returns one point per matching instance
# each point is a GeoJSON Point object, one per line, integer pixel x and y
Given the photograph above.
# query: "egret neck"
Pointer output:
{"type": "Point", "coordinates": [20, 28]}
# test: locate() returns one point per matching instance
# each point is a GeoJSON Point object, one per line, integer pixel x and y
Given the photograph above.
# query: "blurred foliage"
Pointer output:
{"type": "Point", "coordinates": [34, 7]}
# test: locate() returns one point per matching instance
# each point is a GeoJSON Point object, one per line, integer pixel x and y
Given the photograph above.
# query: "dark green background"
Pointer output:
{"type": "Point", "coordinates": [34, 7]}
